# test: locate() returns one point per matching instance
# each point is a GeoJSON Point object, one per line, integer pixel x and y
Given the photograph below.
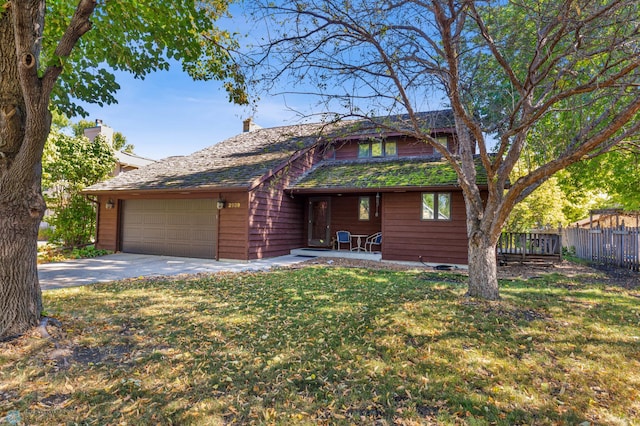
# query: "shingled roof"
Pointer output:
{"type": "Point", "coordinates": [361, 175]}
{"type": "Point", "coordinates": [233, 163]}
{"type": "Point", "coordinates": [430, 121]}
{"type": "Point", "coordinates": [240, 161]}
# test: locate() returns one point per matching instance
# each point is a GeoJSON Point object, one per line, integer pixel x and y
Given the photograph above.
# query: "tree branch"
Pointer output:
{"type": "Point", "coordinates": [78, 26]}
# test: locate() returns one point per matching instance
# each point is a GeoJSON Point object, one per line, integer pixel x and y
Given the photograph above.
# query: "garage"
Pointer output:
{"type": "Point", "coordinates": [171, 227]}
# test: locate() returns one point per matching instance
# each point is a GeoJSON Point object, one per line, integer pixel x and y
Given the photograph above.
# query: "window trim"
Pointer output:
{"type": "Point", "coordinates": [386, 154]}
{"type": "Point", "coordinates": [442, 140]}
{"type": "Point", "coordinates": [436, 207]}
{"type": "Point", "coordinates": [369, 146]}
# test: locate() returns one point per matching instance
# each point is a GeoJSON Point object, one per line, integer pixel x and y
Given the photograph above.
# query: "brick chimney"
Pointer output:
{"type": "Point", "coordinates": [249, 126]}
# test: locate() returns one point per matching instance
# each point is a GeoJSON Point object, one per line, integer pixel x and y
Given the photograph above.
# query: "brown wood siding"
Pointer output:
{"type": "Point", "coordinates": [107, 225]}
{"type": "Point", "coordinates": [406, 237]}
{"type": "Point", "coordinates": [344, 215]}
{"type": "Point", "coordinates": [233, 229]}
{"type": "Point", "coordinates": [412, 148]}
{"type": "Point", "coordinates": [276, 221]}
{"type": "Point", "coordinates": [347, 150]}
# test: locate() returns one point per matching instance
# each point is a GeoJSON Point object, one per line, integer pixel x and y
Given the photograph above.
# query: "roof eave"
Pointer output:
{"type": "Point", "coordinates": [166, 190]}
{"type": "Point", "coordinates": [365, 136]}
{"type": "Point", "coordinates": [346, 190]}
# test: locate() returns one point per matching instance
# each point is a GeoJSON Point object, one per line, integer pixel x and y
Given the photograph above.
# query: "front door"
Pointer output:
{"type": "Point", "coordinates": [319, 221]}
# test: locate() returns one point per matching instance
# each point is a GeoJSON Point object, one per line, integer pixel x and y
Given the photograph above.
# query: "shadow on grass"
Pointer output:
{"type": "Point", "coordinates": [333, 346]}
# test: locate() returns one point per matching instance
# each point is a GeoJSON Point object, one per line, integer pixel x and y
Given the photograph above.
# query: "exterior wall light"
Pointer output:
{"type": "Point", "coordinates": [220, 204]}
{"type": "Point", "coordinates": [110, 204]}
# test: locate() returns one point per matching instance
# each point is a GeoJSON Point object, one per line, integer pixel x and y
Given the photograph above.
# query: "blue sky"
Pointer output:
{"type": "Point", "coordinates": [168, 114]}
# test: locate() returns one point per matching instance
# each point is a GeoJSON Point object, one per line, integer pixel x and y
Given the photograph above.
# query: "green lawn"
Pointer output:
{"type": "Point", "coordinates": [324, 345]}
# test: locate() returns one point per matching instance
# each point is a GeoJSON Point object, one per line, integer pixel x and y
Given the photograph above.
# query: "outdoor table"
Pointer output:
{"type": "Point", "coordinates": [359, 239]}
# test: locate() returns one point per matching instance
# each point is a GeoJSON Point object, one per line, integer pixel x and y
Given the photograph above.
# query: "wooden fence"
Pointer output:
{"type": "Point", "coordinates": [618, 247]}
{"type": "Point", "coordinates": [529, 246]}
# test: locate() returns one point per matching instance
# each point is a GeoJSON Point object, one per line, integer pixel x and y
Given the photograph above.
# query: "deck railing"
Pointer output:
{"type": "Point", "coordinates": [530, 245]}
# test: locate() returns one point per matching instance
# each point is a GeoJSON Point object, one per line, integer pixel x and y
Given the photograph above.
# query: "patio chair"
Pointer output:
{"type": "Point", "coordinates": [343, 237]}
{"type": "Point", "coordinates": [373, 240]}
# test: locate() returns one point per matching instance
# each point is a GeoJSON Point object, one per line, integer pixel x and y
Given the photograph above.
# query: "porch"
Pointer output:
{"type": "Point", "coordinates": [344, 254]}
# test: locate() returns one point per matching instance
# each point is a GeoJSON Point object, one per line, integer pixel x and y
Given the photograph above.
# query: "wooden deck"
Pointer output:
{"type": "Point", "coordinates": [533, 247]}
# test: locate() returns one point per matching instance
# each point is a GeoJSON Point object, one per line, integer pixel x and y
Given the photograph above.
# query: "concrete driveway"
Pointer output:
{"type": "Point", "coordinates": [119, 266]}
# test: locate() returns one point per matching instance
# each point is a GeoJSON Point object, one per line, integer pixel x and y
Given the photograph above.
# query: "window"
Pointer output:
{"type": "Point", "coordinates": [363, 210]}
{"type": "Point", "coordinates": [436, 206]}
{"type": "Point", "coordinates": [390, 149]}
{"type": "Point", "coordinates": [377, 148]}
{"type": "Point", "coordinates": [444, 206]}
{"type": "Point", "coordinates": [442, 140]}
{"type": "Point", "coordinates": [363, 150]}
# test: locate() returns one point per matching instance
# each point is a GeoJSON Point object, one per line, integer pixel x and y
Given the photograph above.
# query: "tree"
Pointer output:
{"type": "Point", "coordinates": [58, 52]}
{"type": "Point", "coordinates": [544, 207]}
{"type": "Point", "coordinates": [507, 69]}
{"type": "Point", "coordinates": [70, 164]}
{"type": "Point", "coordinates": [615, 173]}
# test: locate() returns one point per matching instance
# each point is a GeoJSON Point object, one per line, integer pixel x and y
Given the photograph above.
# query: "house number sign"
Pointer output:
{"type": "Point", "coordinates": [233, 205]}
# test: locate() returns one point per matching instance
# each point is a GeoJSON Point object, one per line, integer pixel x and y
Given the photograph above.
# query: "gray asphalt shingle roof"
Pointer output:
{"type": "Point", "coordinates": [239, 161]}
{"type": "Point", "coordinates": [233, 163]}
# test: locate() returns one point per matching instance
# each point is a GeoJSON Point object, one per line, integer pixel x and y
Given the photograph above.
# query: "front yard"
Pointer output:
{"type": "Point", "coordinates": [330, 345]}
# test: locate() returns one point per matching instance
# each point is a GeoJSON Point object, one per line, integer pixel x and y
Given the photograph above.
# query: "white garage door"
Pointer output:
{"type": "Point", "coordinates": [184, 228]}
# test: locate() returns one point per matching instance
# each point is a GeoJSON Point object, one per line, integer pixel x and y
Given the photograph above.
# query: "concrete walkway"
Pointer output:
{"type": "Point", "coordinates": [119, 266]}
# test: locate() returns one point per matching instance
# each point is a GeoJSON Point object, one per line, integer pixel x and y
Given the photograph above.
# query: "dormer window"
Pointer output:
{"type": "Point", "coordinates": [377, 148]}
{"type": "Point", "coordinates": [442, 140]}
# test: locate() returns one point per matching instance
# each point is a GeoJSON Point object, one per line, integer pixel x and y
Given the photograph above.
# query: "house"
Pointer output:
{"type": "Point", "coordinates": [608, 218]}
{"type": "Point", "coordinates": [125, 161]}
{"type": "Point", "coordinates": [267, 191]}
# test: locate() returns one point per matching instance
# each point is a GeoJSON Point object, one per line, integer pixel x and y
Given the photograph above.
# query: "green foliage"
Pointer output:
{"type": "Point", "coordinates": [616, 173]}
{"type": "Point", "coordinates": [120, 143]}
{"type": "Point", "coordinates": [544, 207]}
{"type": "Point", "coordinates": [87, 252]}
{"type": "Point", "coordinates": [576, 58]}
{"type": "Point", "coordinates": [45, 233]}
{"type": "Point", "coordinates": [611, 179]}
{"type": "Point", "coordinates": [49, 253]}
{"type": "Point", "coordinates": [73, 221]}
{"type": "Point", "coordinates": [139, 37]}
{"type": "Point", "coordinates": [80, 126]}
{"type": "Point", "coordinates": [69, 165]}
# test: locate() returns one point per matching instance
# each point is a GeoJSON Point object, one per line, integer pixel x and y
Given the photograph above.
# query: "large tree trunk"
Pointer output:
{"type": "Point", "coordinates": [483, 234]}
{"type": "Point", "coordinates": [25, 122]}
{"type": "Point", "coordinates": [24, 125]}
{"type": "Point", "coordinates": [483, 267]}
{"type": "Point", "coordinates": [20, 295]}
